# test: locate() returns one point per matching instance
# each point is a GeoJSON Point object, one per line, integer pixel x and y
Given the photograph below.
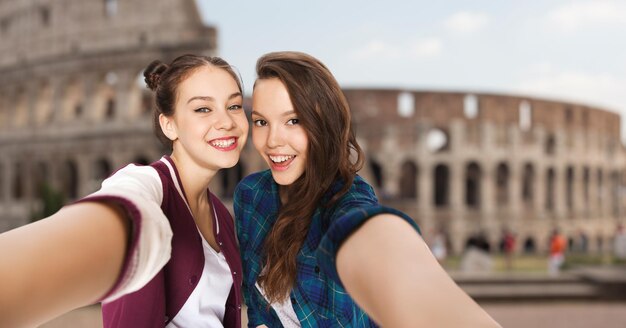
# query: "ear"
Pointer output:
{"type": "Point", "coordinates": [168, 127]}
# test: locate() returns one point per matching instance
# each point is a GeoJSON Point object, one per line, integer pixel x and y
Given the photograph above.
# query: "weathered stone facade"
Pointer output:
{"type": "Point", "coordinates": [72, 105]}
{"type": "Point", "coordinates": [494, 162]}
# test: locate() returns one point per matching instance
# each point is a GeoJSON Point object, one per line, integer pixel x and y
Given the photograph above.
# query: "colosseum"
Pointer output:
{"type": "Point", "coordinates": [466, 163]}
{"type": "Point", "coordinates": [72, 105]}
{"type": "Point", "coordinates": [73, 109]}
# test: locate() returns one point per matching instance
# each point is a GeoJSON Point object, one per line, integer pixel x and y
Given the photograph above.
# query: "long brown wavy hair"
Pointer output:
{"type": "Point", "coordinates": [333, 155]}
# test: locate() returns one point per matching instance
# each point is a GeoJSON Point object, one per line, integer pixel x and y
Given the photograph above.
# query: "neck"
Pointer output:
{"type": "Point", "coordinates": [194, 179]}
{"type": "Point", "coordinates": [282, 194]}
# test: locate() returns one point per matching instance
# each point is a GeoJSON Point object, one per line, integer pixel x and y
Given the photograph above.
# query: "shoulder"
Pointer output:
{"type": "Point", "coordinates": [134, 171]}
{"type": "Point", "coordinates": [359, 195]}
{"type": "Point", "coordinates": [256, 181]}
{"type": "Point", "coordinates": [359, 185]}
{"type": "Point", "coordinates": [359, 190]}
{"type": "Point", "coordinates": [140, 177]}
{"type": "Point", "coordinates": [135, 183]}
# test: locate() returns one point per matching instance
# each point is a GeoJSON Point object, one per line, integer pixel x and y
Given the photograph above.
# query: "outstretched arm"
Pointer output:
{"type": "Point", "coordinates": [65, 261]}
{"type": "Point", "coordinates": [390, 272]}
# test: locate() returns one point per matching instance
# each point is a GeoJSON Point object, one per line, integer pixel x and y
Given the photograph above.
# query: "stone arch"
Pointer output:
{"type": "Point", "coordinates": [569, 187]}
{"type": "Point", "coordinates": [4, 108]}
{"type": "Point", "coordinates": [230, 178]}
{"type": "Point", "coordinates": [528, 184]}
{"type": "Point", "coordinates": [102, 169]}
{"type": "Point", "coordinates": [43, 105]}
{"type": "Point", "coordinates": [530, 246]}
{"type": "Point", "coordinates": [550, 144]}
{"type": "Point", "coordinates": [18, 182]}
{"type": "Point", "coordinates": [473, 177]}
{"type": "Point", "coordinates": [40, 178]}
{"type": "Point", "coordinates": [408, 180]}
{"type": "Point", "coordinates": [69, 179]}
{"type": "Point", "coordinates": [20, 118]}
{"type": "Point", "coordinates": [441, 194]}
{"type": "Point", "coordinates": [73, 100]}
{"type": "Point", "coordinates": [2, 182]}
{"type": "Point", "coordinates": [110, 107]}
{"type": "Point", "coordinates": [550, 183]}
{"type": "Point", "coordinates": [586, 177]}
{"type": "Point", "coordinates": [502, 184]}
{"type": "Point", "coordinates": [600, 243]}
{"type": "Point", "coordinates": [479, 240]}
{"type": "Point", "coordinates": [615, 191]}
{"type": "Point", "coordinates": [99, 170]}
{"type": "Point", "coordinates": [600, 188]}
{"type": "Point", "coordinates": [377, 173]}
{"type": "Point", "coordinates": [140, 97]}
{"type": "Point", "coordinates": [44, 14]}
{"type": "Point", "coordinates": [621, 195]}
{"type": "Point", "coordinates": [105, 102]}
{"type": "Point", "coordinates": [147, 105]}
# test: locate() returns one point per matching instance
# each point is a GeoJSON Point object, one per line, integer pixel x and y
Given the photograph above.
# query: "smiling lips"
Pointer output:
{"type": "Point", "coordinates": [281, 162]}
{"type": "Point", "coordinates": [224, 144]}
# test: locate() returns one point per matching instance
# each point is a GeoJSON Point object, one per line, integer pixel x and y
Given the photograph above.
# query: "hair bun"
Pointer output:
{"type": "Point", "coordinates": [152, 74]}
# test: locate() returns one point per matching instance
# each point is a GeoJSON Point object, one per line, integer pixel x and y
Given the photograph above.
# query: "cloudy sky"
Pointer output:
{"type": "Point", "coordinates": [555, 49]}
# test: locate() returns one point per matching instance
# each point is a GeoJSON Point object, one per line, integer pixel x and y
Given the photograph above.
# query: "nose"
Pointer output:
{"type": "Point", "coordinates": [224, 121]}
{"type": "Point", "coordinates": [275, 138]}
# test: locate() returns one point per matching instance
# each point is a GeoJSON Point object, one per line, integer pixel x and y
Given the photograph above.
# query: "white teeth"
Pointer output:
{"type": "Point", "coordinates": [280, 159]}
{"type": "Point", "coordinates": [223, 143]}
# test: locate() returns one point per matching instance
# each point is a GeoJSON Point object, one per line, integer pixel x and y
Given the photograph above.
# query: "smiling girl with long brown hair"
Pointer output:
{"type": "Point", "coordinates": [318, 250]}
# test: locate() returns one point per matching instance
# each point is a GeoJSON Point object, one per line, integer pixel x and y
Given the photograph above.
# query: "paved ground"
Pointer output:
{"type": "Point", "coordinates": [557, 315]}
{"type": "Point", "coordinates": [509, 315]}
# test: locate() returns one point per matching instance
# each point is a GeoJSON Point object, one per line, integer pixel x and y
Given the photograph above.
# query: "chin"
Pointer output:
{"type": "Point", "coordinates": [229, 165]}
{"type": "Point", "coordinates": [226, 164]}
{"type": "Point", "coordinates": [282, 180]}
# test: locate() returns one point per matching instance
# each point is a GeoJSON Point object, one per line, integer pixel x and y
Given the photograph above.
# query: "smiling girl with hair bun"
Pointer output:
{"type": "Point", "coordinates": [154, 245]}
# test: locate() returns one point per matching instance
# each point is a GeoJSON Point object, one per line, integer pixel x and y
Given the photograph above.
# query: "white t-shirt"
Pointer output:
{"type": "Point", "coordinates": [283, 310]}
{"type": "Point", "coordinates": [206, 303]}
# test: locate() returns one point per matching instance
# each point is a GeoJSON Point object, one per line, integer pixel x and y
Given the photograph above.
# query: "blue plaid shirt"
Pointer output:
{"type": "Point", "coordinates": [318, 297]}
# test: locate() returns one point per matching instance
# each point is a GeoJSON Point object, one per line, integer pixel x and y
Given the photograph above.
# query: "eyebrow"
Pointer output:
{"type": "Point", "coordinates": [283, 114]}
{"type": "Point", "coordinates": [209, 98]}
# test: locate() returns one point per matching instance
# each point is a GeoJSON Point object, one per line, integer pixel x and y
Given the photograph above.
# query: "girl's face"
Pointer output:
{"type": "Point", "coordinates": [209, 125]}
{"type": "Point", "coordinates": [276, 133]}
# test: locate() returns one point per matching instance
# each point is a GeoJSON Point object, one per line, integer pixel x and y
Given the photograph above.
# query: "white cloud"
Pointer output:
{"type": "Point", "coordinates": [595, 90]}
{"type": "Point", "coordinates": [580, 14]}
{"type": "Point", "coordinates": [420, 49]}
{"type": "Point", "coordinates": [466, 22]}
{"type": "Point", "coordinates": [426, 48]}
{"type": "Point", "coordinates": [377, 48]}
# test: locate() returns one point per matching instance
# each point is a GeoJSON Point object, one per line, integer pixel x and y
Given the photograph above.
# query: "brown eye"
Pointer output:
{"type": "Point", "coordinates": [260, 123]}
{"type": "Point", "coordinates": [203, 110]}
